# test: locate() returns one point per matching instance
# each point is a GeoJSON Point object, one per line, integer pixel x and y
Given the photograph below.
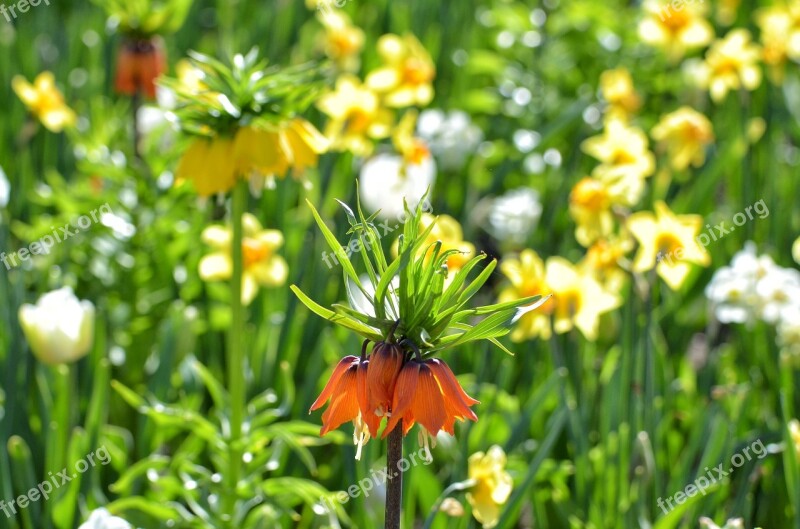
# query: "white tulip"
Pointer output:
{"type": "Point", "coordinates": [102, 519]}
{"type": "Point", "coordinates": [59, 328]}
{"type": "Point", "coordinates": [384, 184]}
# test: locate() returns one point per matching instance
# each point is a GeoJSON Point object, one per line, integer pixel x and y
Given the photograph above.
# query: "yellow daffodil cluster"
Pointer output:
{"type": "Point", "coordinates": [730, 63]}
{"type": "Point", "coordinates": [780, 36]}
{"type": "Point", "coordinates": [578, 301]}
{"type": "Point", "coordinates": [44, 101]}
{"type": "Point", "coordinates": [261, 265]}
{"type": "Point", "coordinates": [361, 113]}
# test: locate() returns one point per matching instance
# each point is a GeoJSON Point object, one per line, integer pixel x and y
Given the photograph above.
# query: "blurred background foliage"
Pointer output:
{"type": "Point", "coordinates": [567, 411]}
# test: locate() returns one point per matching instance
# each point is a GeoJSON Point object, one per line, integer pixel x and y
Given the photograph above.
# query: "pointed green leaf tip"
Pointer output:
{"type": "Point", "coordinates": [432, 307]}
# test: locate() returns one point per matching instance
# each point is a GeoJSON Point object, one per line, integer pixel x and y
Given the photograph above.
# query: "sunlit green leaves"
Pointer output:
{"type": "Point", "coordinates": [431, 306]}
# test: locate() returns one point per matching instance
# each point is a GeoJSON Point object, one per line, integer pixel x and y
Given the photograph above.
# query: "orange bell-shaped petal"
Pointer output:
{"type": "Point", "coordinates": [428, 393]}
{"type": "Point", "coordinates": [139, 64]}
{"type": "Point", "coordinates": [385, 363]}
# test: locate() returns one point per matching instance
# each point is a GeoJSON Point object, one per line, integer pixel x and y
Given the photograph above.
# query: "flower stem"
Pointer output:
{"type": "Point", "coordinates": [394, 489]}
{"type": "Point", "coordinates": [236, 379]}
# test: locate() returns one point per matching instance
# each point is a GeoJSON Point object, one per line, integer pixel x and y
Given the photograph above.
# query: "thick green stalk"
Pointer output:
{"type": "Point", "coordinates": [236, 367]}
{"type": "Point", "coordinates": [394, 489]}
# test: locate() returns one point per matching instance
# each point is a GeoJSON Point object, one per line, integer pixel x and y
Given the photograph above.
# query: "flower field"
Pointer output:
{"type": "Point", "coordinates": [329, 264]}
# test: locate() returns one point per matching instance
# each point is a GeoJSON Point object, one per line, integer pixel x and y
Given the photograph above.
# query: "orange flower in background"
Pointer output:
{"type": "Point", "coordinates": [428, 393]}
{"type": "Point", "coordinates": [139, 64]}
{"type": "Point", "coordinates": [347, 391]}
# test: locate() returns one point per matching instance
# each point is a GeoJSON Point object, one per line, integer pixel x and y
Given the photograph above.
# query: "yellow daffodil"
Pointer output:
{"type": "Point", "coordinates": [675, 29]}
{"type": "Point", "coordinates": [492, 487]}
{"type": "Point", "coordinates": [606, 261]}
{"type": "Point", "coordinates": [626, 161]}
{"type": "Point", "coordinates": [578, 298]}
{"type": "Point", "coordinates": [357, 117]}
{"type": "Point", "coordinates": [44, 101]}
{"type": "Point", "coordinates": [412, 148]}
{"type": "Point", "coordinates": [342, 40]}
{"type": "Point", "coordinates": [407, 75]}
{"type": "Point", "coordinates": [685, 133]}
{"type": "Point", "coordinates": [448, 230]}
{"type": "Point", "coordinates": [668, 243]}
{"type": "Point", "coordinates": [262, 266]}
{"type": "Point", "coordinates": [527, 278]}
{"type": "Point", "coordinates": [590, 207]}
{"type": "Point", "coordinates": [794, 431]}
{"type": "Point", "coordinates": [780, 38]}
{"type": "Point", "coordinates": [616, 87]}
{"type": "Point", "coordinates": [214, 164]}
{"type": "Point", "coordinates": [796, 251]}
{"type": "Point", "coordinates": [731, 63]}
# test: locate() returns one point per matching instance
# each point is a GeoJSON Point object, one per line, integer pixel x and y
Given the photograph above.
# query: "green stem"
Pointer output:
{"type": "Point", "coordinates": [394, 489]}
{"type": "Point", "coordinates": [236, 367]}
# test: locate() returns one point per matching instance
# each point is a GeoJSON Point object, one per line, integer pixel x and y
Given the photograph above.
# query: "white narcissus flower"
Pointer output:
{"type": "Point", "coordinates": [359, 301]}
{"type": "Point", "coordinates": [754, 287]}
{"type": "Point", "coordinates": [59, 328]}
{"type": "Point", "coordinates": [514, 215]}
{"type": "Point", "coordinates": [5, 189]}
{"type": "Point", "coordinates": [385, 182]}
{"type": "Point", "coordinates": [734, 523]}
{"type": "Point", "coordinates": [451, 137]}
{"type": "Point", "coordinates": [102, 519]}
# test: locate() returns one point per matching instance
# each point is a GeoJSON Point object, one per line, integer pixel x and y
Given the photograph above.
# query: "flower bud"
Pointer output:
{"type": "Point", "coordinates": [59, 328]}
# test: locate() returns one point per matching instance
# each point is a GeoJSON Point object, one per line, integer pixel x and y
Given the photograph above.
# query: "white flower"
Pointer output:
{"type": "Point", "coordinates": [778, 291]}
{"type": "Point", "coordinates": [363, 304]}
{"type": "Point", "coordinates": [451, 137]}
{"type": "Point", "coordinates": [102, 519]}
{"type": "Point", "coordinates": [59, 328]}
{"type": "Point", "coordinates": [514, 215]}
{"type": "Point", "coordinates": [5, 189]}
{"type": "Point", "coordinates": [384, 184]}
{"type": "Point", "coordinates": [789, 331]}
{"type": "Point", "coordinates": [753, 287]}
{"type": "Point", "coordinates": [734, 523]}
{"type": "Point", "coordinates": [733, 296]}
